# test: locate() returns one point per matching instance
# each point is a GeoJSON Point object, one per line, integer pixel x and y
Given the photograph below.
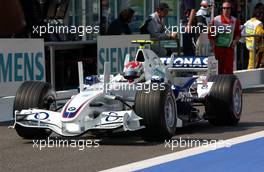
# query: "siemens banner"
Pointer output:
{"type": "Point", "coordinates": [114, 50]}
{"type": "Point", "coordinates": [20, 60]}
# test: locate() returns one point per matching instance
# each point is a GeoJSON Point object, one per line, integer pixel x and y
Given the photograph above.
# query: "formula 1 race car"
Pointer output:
{"type": "Point", "coordinates": [154, 95]}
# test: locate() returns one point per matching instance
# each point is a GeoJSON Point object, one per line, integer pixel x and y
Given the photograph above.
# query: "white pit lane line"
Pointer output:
{"type": "Point", "coordinates": [185, 153]}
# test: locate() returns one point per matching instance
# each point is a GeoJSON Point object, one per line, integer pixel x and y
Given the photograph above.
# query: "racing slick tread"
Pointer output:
{"type": "Point", "coordinates": [33, 102]}
{"type": "Point", "coordinates": [32, 94]}
{"type": "Point", "coordinates": [150, 107]}
{"type": "Point", "coordinates": [19, 101]}
{"type": "Point", "coordinates": [219, 105]}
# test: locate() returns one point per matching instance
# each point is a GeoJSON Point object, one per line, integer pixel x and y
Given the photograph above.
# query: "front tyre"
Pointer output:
{"type": "Point", "coordinates": [33, 94]}
{"type": "Point", "coordinates": [159, 112]}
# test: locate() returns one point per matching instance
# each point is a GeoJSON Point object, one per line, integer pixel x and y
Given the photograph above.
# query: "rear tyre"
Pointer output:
{"type": "Point", "coordinates": [33, 94]}
{"type": "Point", "coordinates": [159, 112]}
{"type": "Point", "coordinates": [224, 103]}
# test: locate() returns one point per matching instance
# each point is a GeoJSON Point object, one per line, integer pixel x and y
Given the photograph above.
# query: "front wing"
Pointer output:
{"type": "Point", "coordinates": [37, 118]}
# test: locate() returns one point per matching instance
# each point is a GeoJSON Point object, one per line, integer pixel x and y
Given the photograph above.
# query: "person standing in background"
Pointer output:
{"type": "Point", "coordinates": [187, 17]}
{"type": "Point", "coordinates": [252, 27]}
{"type": "Point", "coordinates": [120, 25]}
{"type": "Point", "coordinates": [202, 20]}
{"type": "Point", "coordinates": [224, 42]}
{"type": "Point", "coordinates": [154, 25]}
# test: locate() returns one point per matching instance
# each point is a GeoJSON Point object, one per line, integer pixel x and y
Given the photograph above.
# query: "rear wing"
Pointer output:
{"type": "Point", "coordinates": [201, 64]}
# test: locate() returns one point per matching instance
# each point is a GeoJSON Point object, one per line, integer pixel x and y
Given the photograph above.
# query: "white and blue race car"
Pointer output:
{"type": "Point", "coordinates": [155, 95]}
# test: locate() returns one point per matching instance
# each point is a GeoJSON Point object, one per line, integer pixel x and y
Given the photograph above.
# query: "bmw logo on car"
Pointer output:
{"type": "Point", "coordinates": [71, 109]}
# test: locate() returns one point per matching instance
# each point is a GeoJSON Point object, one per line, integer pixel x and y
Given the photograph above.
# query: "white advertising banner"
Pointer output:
{"type": "Point", "coordinates": [114, 50]}
{"type": "Point", "coordinates": [20, 60]}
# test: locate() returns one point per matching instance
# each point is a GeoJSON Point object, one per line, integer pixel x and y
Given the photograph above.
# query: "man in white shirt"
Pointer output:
{"type": "Point", "coordinates": [156, 28]}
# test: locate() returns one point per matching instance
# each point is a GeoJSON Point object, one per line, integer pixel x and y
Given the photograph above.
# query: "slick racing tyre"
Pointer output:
{"type": "Point", "coordinates": [224, 103]}
{"type": "Point", "coordinates": [159, 112]}
{"type": "Point", "coordinates": [33, 94]}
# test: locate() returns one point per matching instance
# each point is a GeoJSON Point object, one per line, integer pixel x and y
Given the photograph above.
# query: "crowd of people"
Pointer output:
{"type": "Point", "coordinates": [222, 44]}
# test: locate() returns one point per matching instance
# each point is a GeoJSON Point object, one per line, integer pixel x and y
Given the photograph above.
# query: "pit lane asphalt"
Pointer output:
{"type": "Point", "coordinates": [17, 154]}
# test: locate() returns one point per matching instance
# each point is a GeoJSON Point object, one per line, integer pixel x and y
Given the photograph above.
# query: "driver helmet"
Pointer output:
{"type": "Point", "coordinates": [133, 70]}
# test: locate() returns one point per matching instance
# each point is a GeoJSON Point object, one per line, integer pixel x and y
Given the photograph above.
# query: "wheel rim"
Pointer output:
{"type": "Point", "coordinates": [169, 112]}
{"type": "Point", "coordinates": [237, 101]}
